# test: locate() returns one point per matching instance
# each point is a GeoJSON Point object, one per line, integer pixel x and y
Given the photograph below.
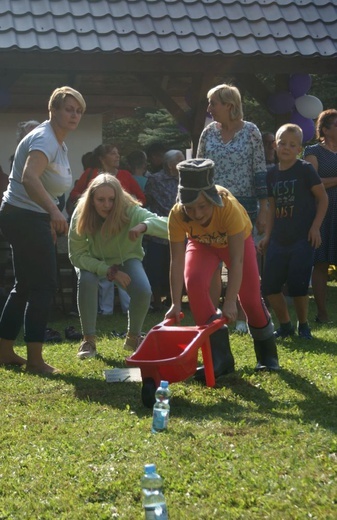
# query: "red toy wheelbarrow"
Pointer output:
{"type": "Point", "coordinates": [170, 352]}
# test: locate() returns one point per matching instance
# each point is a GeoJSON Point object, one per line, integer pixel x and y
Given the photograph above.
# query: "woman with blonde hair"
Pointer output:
{"type": "Point", "coordinates": [105, 239]}
{"type": "Point", "coordinates": [236, 147]}
{"type": "Point", "coordinates": [30, 220]}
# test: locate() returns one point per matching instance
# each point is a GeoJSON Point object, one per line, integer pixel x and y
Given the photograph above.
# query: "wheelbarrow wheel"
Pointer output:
{"type": "Point", "coordinates": [148, 392]}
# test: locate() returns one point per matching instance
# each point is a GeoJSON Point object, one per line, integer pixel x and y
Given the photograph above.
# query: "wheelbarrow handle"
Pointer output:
{"type": "Point", "coordinates": [213, 324]}
{"type": "Point", "coordinates": [172, 321]}
{"type": "Point", "coordinates": [217, 323]}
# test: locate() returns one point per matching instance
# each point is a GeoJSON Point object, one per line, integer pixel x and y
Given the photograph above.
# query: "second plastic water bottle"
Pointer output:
{"type": "Point", "coordinates": [161, 408]}
{"type": "Point", "coordinates": [153, 497]}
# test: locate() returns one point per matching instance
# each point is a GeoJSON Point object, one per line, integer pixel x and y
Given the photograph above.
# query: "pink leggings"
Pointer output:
{"type": "Point", "coordinates": [200, 264]}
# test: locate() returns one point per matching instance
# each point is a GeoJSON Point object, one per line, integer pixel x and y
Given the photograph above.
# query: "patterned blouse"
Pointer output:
{"type": "Point", "coordinates": [240, 164]}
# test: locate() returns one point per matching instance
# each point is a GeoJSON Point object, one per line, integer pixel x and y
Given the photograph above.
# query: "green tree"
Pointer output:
{"type": "Point", "coordinates": [147, 125]}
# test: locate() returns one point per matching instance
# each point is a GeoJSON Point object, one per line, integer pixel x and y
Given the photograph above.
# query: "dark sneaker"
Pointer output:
{"type": "Point", "coordinates": [72, 334]}
{"type": "Point", "coordinates": [305, 333]}
{"type": "Point", "coordinates": [284, 333]}
{"type": "Point", "coordinates": [52, 336]}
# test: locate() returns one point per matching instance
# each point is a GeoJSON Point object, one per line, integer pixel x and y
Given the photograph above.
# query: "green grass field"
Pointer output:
{"type": "Point", "coordinates": [257, 446]}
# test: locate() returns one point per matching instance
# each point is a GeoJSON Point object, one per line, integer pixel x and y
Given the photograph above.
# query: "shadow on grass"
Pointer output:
{"type": "Point", "coordinates": [240, 400]}
{"type": "Point", "coordinates": [317, 407]}
{"type": "Point", "coordinates": [236, 397]}
{"type": "Point", "coordinates": [318, 346]}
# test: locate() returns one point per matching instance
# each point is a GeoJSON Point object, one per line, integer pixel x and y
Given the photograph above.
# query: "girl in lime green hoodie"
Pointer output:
{"type": "Point", "coordinates": [105, 239]}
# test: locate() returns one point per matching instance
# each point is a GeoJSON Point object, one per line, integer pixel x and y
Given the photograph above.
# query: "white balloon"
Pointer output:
{"type": "Point", "coordinates": [308, 106]}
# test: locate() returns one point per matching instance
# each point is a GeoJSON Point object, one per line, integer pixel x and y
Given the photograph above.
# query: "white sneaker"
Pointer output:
{"type": "Point", "coordinates": [241, 327]}
{"type": "Point", "coordinates": [87, 350]}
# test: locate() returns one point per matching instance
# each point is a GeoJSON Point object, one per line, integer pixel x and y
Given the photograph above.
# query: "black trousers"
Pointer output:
{"type": "Point", "coordinates": [34, 265]}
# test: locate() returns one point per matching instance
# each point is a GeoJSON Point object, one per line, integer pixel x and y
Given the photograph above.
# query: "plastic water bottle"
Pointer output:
{"type": "Point", "coordinates": [161, 408]}
{"type": "Point", "coordinates": [153, 497]}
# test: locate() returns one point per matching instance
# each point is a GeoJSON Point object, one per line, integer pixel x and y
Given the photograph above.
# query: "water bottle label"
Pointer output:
{"type": "Point", "coordinates": [160, 420]}
{"type": "Point", "coordinates": [158, 512]}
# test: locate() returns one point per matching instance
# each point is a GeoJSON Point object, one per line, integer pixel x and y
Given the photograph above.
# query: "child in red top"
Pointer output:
{"type": "Point", "coordinates": [105, 158]}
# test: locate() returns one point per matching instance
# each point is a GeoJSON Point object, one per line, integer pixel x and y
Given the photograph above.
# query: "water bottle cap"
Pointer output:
{"type": "Point", "coordinates": [150, 468]}
{"type": "Point", "coordinates": [164, 384]}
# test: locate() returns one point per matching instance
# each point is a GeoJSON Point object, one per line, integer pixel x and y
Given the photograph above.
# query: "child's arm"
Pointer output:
{"type": "Point", "coordinates": [263, 244]}
{"type": "Point", "coordinates": [314, 235]}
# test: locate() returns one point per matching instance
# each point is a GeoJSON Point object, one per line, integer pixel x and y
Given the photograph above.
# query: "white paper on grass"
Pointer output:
{"type": "Point", "coordinates": [122, 375]}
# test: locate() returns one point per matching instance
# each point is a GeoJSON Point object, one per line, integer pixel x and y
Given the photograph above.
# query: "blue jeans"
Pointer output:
{"type": "Point", "coordinates": [139, 291]}
{"type": "Point", "coordinates": [34, 263]}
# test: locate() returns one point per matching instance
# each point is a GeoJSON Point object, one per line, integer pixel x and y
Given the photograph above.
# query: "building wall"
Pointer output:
{"type": "Point", "coordinates": [87, 136]}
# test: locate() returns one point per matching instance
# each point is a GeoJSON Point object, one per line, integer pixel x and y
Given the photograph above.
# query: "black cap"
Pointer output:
{"type": "Point", "coordinates": [197, 176]}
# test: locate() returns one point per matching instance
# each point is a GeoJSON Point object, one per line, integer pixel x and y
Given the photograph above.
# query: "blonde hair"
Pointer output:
{"type": "Point", "coordinates": [289, 127]}
{"type": "Point", "coordinates": [59, 94]}
{"type": "Point", "coordinates": [88, 222]}
{"type": "Point", "coordinates": [228, 94]}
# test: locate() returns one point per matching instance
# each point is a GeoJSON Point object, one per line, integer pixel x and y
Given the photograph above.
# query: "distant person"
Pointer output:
{"type": "Point", "coordinates": [23, 128]}
{"type": "Point", "coordinates": [106, 299]}
{"type": "Point", "coordinates": [268, 140]}
{"type": "Point", "coordinates": [297, 205]}
{"type": "Point", "coordinates": [87, 160]}
{"type": "Point", "coordinates": [323, 157]}
{"type": "Point", "coordinates": [30, 220]}
{"type": "Point", "coordinates": [105, 239]}
{"type": "Point", "coordinates": [4, 245]}
{"type": "Point", "coordinates": [137, 161]}
{"type": "Point", "coordinates": [155, 156]}
{"type": "Point", "coordinates": [90, 164]}
{"type": "Point", "coordinates": [161, 193]}
{"type": "Point", "coordinates": [106, 158]}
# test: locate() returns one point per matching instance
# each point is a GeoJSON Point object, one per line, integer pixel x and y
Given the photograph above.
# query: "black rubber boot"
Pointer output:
{"type": "Point", "coordinates": [223, 361]}
{"type": "Point", "coordinates": [266, 354]}
{"type": "Point", "coordinates": [148, 392]}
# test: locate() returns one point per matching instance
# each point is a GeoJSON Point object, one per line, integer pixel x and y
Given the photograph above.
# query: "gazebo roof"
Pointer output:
{"type": "Point", "coordinates": [122, 54]}
{"type": "Point", "coordinates": [288, 28]}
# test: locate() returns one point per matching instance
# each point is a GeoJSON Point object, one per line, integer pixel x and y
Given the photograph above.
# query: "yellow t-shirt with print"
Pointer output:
{"type": "Point", "coordinates": [227, 220]}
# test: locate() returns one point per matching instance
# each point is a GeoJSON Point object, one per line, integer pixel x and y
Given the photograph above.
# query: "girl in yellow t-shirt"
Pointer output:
{"type": "Point", "coordinates": [217, 229]}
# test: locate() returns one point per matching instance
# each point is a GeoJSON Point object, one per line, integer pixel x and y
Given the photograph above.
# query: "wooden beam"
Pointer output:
{"type": "Point", "coordinates": [202, 84]}
{"type": "Point", "coordinates": [9, 77]}
{"type": "Point", "coordinates": [168, 102]}
{"type": "Point", "coordinates": [163, 63]}
{"type": "Point", "coordinates": [255, 87]}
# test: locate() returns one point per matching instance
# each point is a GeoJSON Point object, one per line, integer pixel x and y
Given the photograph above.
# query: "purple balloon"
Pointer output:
{"type": "Point", "coordinates": [281, 102]}
{"type": "Point", "coordinates": [307, 125]}
{"type": "Point", "coordinates": [299, 84]}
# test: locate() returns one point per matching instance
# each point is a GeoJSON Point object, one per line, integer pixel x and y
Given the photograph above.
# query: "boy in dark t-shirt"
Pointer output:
{"type": "Point", "coordinates": [297, 205]}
